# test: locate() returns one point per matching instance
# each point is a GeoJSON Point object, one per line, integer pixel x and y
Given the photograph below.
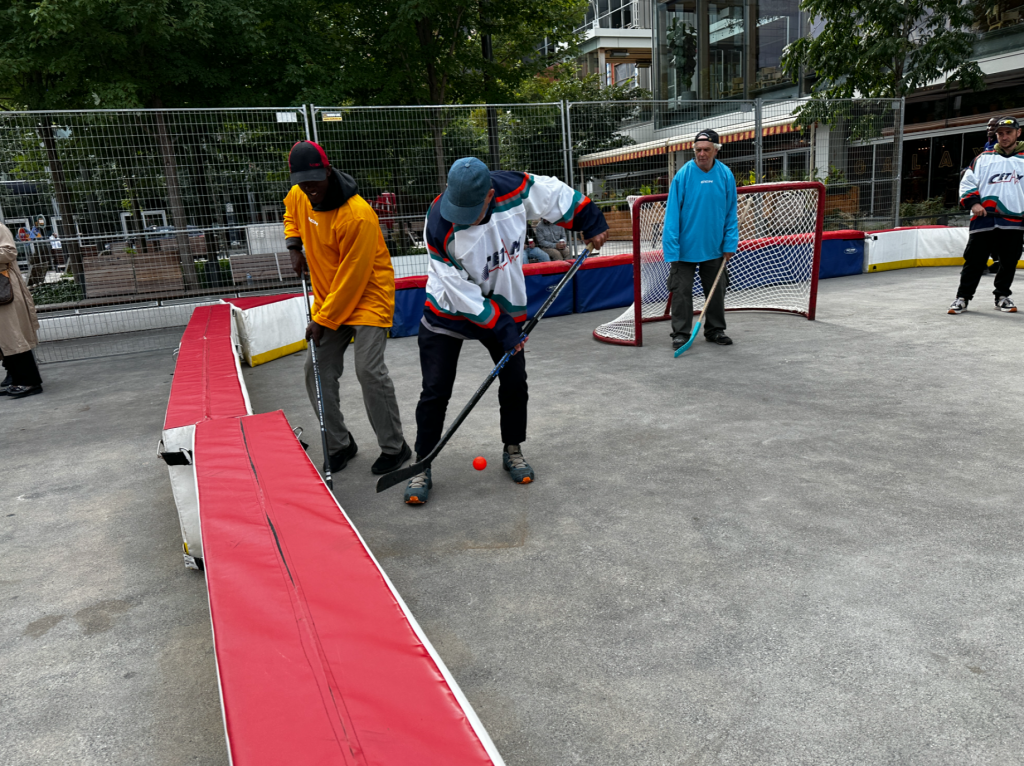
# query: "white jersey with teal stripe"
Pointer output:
{"type": "Point", "coordinates": [476, 271]}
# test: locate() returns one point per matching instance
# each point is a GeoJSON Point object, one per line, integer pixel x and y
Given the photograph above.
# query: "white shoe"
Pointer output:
{"type": "Point", "coordinates": [1005, 304]}
{"type": "Point", "coordinates": [958, 306]}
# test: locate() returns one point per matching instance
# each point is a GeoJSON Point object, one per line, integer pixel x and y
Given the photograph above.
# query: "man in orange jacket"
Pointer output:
{"type": "Point", "coordinates": [353, 296]}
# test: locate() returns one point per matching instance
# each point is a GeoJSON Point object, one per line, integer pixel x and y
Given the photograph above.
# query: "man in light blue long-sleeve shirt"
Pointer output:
{"type": "Point", "coordinates": [700, 230]}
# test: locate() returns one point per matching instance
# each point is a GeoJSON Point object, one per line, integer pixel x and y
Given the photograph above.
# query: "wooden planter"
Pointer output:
{"type": "Point", "coordinates": [620, 225]}
{"type": "Point", "coordinates": [261, 267]}
{"type": "Point", "coordinates": [108, 272]}
{"type": "Point", "coordinates": [159, 270]}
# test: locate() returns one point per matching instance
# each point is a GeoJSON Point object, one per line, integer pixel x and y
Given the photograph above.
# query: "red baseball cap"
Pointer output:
{"type": "Point", "coordinates": [307, 162]}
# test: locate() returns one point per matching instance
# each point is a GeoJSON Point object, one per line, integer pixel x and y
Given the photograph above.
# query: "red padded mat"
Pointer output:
{"type": "Point", "coordinates": [205, 381]}
{"type": "Point", "coordinates": [318, 662]}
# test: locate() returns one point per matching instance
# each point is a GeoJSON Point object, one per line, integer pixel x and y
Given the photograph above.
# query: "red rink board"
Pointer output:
{"type": "Point", "coordinates": [205, 381]}
{"type": "Point", "coordinates": [318, 661]}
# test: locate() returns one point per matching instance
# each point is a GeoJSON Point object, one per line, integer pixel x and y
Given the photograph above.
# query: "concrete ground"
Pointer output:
{"type": "Point", "coordinates": [801, 549]}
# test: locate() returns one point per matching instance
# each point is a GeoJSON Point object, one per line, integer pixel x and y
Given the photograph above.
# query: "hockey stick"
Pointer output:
{"type": "Point", "coordinates": [389, 480]}
{"type": "Point", "coordinates": [700, 319]}
{"type": "Point", "coordinates": [319, 391]}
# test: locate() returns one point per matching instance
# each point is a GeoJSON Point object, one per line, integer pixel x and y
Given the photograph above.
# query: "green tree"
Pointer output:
{"type": "Point", "coordinates": [143, 53]}
{"type": "Point", "coordinates": [151, 53]}
{"type": "Point", "coordinates": [597, 113]}
{"type": "Point", "coordinates": [433, 51]}
{"type": "Point", "coordinates": [881, 48]}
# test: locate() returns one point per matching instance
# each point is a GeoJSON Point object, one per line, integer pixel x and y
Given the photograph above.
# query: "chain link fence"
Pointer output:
{"type": "Point", "coordinates": [400, 156]}
{"type": "Point", "coordinates": [126, 220]}
{"type": "Point", "coordinates": [627, 149]}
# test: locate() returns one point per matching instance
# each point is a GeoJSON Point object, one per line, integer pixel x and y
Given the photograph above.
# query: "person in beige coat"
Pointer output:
{"type": "Point", "coordinates": [18, 326]}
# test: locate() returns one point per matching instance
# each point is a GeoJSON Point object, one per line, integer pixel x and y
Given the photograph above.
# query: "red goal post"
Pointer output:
{"type": "Point", "coordinates": [775, 267]}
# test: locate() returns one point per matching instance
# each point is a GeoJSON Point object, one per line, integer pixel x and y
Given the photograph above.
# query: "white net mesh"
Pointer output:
{"type": "Point", "coordinates": [773, 269]}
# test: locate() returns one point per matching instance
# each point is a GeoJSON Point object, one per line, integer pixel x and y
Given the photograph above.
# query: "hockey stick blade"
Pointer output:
{"type": "Point", "coordinates": [700, 319]}
{"type": "Point", "coordinates": [388, 480]}
{"type": "Point", "coordinates": [696, 328]}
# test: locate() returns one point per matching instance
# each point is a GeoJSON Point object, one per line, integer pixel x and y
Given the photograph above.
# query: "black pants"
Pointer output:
{"type": "Point", "coordinates": [439, 359]}
{"type": "Point", "coordinates": [680, 283]}
{"type": "Point", "coordinates": [1003, 245]}
{"type": "Point", "coordinates": [22, 368]}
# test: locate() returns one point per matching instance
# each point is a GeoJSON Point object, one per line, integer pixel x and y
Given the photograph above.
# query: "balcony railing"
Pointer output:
{"type": "Point", "coordinates": [630, 14]}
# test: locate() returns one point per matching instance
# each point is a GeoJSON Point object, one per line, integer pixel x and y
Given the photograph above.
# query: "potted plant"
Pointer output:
{"type": "Point", "coordinates": [682, 45]}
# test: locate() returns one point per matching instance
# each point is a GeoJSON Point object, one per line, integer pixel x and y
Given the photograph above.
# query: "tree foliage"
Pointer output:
{"type": "Point", "coordinates": [886, 48]}
{"type": "Point", "coordinates": [432, 51]}
{"type": "Point", "coordinates": [142, 53]}
{"type": "Point", "coordinates": [178, 53]}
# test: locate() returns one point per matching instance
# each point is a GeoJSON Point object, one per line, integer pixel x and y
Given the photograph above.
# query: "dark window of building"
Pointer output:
{"type": "Point", "coordinates": [727, 41]}
{"type": "Point", "coordinates": [974, 144]}
{"type": "Point", "coordinates": [945, 168]}
{"type": "Point", "coordinates": [778, 25]}
{"type": "Point", "coordinates": [916, 162]}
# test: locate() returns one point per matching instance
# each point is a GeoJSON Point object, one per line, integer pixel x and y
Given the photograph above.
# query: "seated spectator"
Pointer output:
{"type": "Point", "coordinates": [533, 253]}
{"type": "Point", "coordinates": [551, 239]}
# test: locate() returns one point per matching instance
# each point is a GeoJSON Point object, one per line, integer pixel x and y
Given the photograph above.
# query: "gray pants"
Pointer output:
{"type": "Point", "coordinates": [680, 283]}
{"type": "Point", "coordinates": [378, 390]}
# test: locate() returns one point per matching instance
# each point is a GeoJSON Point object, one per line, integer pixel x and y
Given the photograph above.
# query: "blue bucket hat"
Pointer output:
{"type": "Point", "coordinates": [469, 180]}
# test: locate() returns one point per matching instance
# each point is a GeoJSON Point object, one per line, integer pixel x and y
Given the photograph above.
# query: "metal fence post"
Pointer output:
{"type": "Point", "coordinates": [307, 110]}
{"type": "Point", "coordinates": [567, 139]}
{"type": "Point", "coordinates": [565, 144]}
{"type": "Point", "coordinates": [758, 141]}
{"type": "Point", "coordinates": [312, 119]}
{"type": "Point", "coordinates": [898, 169]}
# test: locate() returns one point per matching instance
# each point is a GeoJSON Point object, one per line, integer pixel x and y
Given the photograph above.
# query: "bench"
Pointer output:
{"type": "Point", "coordinates": [207, 385]}
{"type": "Point", "coordinates": [262, 267]}
{"type": "Point", "coordinates": [319, 659]}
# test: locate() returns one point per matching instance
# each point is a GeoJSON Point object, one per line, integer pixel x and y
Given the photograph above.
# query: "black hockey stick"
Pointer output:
{"type": "Point", "coordinates": [319, 391]}
{"type": "Point", "coordinates": [389, 480]}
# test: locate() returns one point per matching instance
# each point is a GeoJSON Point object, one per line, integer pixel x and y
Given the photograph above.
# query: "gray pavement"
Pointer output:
{"type": "Point", "coordinates": [802, 549]}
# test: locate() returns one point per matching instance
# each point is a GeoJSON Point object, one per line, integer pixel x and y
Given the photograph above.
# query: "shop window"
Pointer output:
{"type": "Point", "coordinates": [778, 25]}
{"type": "Point", "coordinates": [677, 51]}
{"type": "Point", "coordinates": [726, 43]}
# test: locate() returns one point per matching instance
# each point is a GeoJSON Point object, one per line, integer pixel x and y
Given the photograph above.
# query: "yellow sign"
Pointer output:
{"type": "Point", "coordinates": [947, 161]}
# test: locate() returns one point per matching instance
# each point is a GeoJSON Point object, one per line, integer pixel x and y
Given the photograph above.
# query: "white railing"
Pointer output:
{"type": "Point", "coordinates": [629, 15]}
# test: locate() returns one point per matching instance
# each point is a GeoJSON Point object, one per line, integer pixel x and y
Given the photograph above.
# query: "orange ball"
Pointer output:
{"type": "Point", "coordinates": [479, 463]}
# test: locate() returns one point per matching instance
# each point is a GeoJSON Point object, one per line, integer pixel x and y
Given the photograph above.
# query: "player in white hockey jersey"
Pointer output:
{"type": "Point", "coordinates": [991, 188]}
{"type": "Point", "coordinates": [475, 234]}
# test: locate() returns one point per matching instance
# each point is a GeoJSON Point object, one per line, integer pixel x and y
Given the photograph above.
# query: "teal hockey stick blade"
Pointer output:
{"type": "Point", "coordinates": [682, 348]}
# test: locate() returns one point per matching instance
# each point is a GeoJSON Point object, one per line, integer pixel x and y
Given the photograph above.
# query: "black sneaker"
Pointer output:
{"type": "Point", "coordinates": [677, 343]}
{"type": "Point", "coordinates": [5, 385]}
{"type": "Point", "coordinates": [340, 459]}
{"type": "Point", "coordinates": [20, 392]}
{"type": "Point", "coordinates": [1005, 304]}
{"type": "Point", "coordinates": [720, 338]}
{"type": "Point", "coordinates": [387, 463]}
{"type": "Point", "coordinates": [958, 306]}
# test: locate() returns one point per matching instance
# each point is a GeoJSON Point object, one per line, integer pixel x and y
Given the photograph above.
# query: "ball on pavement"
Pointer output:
{"type": "Point", "coordinates": [479, 463]}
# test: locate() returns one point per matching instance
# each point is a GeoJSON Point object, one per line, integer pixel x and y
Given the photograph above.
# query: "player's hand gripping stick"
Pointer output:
{"type": "Point", "coordinates": [319, 390]}
{"type": "Point", "coordinates": [389, 480]}
{"type": "Point", "coordinates": [700, 319]}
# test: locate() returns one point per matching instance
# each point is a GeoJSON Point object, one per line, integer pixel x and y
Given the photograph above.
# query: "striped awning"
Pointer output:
{"type": "Point", "coordinates": [677, 144]}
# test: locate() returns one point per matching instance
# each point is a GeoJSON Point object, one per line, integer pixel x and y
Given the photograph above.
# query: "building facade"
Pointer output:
{"type": "Point", "coordinates": [711, 62]}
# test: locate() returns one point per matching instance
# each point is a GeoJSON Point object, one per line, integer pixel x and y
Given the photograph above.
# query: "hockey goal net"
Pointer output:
{"type": "Point", "coordinates": [775, 267]}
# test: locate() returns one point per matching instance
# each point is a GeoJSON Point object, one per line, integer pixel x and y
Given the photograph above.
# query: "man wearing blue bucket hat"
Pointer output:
{"type": "Point", "coordinates": [476, 234]}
